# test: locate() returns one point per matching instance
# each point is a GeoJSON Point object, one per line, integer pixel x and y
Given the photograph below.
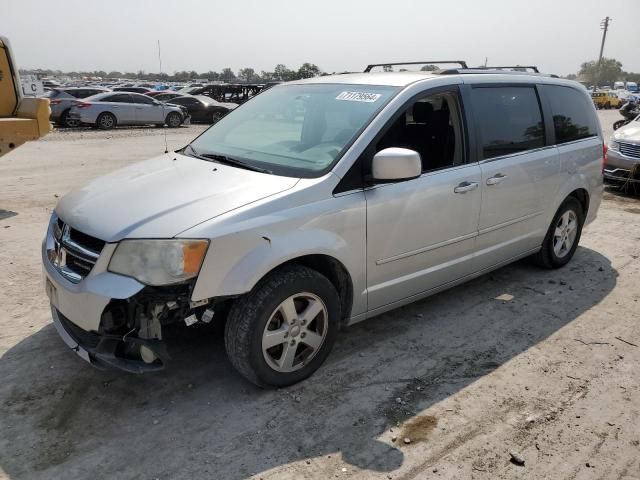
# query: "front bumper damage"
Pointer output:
{"type": "Point", "coordinates": [112, 321]}
{"type": "Point", "coordinates": [104, 351]}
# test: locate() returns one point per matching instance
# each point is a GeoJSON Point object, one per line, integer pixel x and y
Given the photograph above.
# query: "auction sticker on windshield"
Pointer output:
{"type": "Point", "coordinates": [358, 97]}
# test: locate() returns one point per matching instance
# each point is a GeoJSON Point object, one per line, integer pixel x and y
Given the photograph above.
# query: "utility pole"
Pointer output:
{"type": "Point", "coordinates": [604, 26]}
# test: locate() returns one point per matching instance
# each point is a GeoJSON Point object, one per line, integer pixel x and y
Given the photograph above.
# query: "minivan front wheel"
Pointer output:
{"type": "Point", "coordinates": [282, 331]}
{"type": "Point", "coordinates": [561, 240]}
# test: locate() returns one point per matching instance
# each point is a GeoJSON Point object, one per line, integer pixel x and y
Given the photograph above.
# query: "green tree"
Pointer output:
{"type": "Point", "coordinates": [249, 75]}
{"type": "Point", "coordinates": [308, 70]}
{"type": "Point", "coordinates": [227, 75]}
{"type": "Point", "coordinates": [429, 68]}
{"type": "Point", "coordinates": [608, 71]}
{"type": "Point", "coordinates": [281, 72]}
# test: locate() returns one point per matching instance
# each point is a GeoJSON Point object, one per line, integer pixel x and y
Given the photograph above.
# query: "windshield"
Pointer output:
{"type": "Point", "coordinates": [295, 130]}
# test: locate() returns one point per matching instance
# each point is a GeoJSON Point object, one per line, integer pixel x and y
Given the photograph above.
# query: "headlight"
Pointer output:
{"type": "Point", "coordinates": [159, 262]}
{"type": "Point", "coordinates": [613, 145]}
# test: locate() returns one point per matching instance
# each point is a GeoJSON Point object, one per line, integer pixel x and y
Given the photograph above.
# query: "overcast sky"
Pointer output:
{"type": "Point", "coordinates": [337, 35]}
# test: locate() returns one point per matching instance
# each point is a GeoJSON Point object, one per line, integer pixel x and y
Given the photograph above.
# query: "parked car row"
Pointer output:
{"type": "Point", "coordinates": [105, 108]}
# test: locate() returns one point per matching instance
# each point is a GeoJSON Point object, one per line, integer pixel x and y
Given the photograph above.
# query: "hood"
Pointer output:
{"type": "Point", "coordinates": [630, 131]}
{"type": "Point", "coordinates": [161, 197]}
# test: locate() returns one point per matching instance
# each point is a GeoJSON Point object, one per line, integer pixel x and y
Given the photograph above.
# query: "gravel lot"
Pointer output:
{"type": "Point", "coordinates": [551, 375]}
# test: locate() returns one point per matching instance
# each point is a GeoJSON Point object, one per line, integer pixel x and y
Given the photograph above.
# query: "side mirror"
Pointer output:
{"type": "Point", "coordinates": [396, 164]}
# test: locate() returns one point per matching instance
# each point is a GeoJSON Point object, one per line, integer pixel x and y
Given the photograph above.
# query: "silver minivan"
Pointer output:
{"type": "Point", "coordinates": [318, 204]}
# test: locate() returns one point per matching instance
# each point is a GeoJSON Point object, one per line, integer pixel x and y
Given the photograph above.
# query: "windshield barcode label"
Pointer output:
{"type": "Point", "coordinates": [358, 97]}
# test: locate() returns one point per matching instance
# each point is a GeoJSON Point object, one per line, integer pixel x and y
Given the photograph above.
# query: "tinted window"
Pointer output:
{"type": "Point", "coordinates": [142, 99]}
{"type": "Point", "coordinates": [119, 98]}
{"type": "Point", "coordinates": [508, 119]}
{"type": "Point", "coordinates": [573, 117]}
{"type": "Point", "coordinates": [184, 101]}
{"type": "Point", "coordinates": [76, 93]}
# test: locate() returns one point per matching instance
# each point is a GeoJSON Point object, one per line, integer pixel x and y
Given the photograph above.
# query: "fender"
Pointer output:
{"type": "Point", "coordinates": [262, 253]}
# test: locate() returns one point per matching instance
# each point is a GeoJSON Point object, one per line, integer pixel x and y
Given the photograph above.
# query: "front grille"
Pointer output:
{"type": "Point", "coordinates": [72, 252]}
{"type": "Point", "coordinates": [84, 338]}
{"type": "Point", "coordinates": [630, 149]}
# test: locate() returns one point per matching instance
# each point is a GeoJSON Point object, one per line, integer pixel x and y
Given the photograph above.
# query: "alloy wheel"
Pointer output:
{"type": "Point", "coordinates": [295, 332]}
{"type": "Point", "coordinates": [565, 233]}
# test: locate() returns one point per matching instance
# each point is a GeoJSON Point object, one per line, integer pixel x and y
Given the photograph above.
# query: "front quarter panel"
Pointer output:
{"type": "Point", "coordinates": [248, 244]}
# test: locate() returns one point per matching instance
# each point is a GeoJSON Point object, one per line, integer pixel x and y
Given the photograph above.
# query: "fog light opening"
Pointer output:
{"type": "Point", "coordinates": [147, 354]}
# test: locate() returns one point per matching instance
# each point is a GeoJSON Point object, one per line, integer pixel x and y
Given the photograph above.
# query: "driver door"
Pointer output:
{"type": "Point", "coordinates": [421, 233]}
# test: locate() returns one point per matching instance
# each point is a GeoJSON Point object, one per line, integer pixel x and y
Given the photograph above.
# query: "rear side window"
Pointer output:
{"type": "Point", "coordinates": [573, 117]}
{"type": "Point", "coordinates": [76, 93]}
{"type": "Point", "coordinates": [141, 99]}
{"type": "Point", "coordinates": [118, 98]}
{"type": "Point", "coordinates": [508, 119]}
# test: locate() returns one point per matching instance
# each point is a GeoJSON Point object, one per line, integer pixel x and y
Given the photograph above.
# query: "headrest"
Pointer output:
{"type": "Point", "coordinates": [422, 112]}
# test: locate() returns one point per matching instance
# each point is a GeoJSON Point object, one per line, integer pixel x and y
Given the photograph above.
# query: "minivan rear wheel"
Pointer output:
{"type": "Point", "coordinates": [563, 236]}
{"type": "Point", "coordinates": [282, 331]}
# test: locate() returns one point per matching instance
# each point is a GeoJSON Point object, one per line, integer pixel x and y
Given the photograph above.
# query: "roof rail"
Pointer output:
{"type": "Point", "coordinates": [517, 68]}
{"type": "Point", "coordinates": [462, 63]}
{"type": "Point", "coordinates": [489, 71]}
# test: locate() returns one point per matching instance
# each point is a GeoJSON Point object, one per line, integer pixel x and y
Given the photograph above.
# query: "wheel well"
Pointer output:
{"type": "Point", "coordinates": [583, 197]}
{"type": "Point", "coordinates": [337, 274]}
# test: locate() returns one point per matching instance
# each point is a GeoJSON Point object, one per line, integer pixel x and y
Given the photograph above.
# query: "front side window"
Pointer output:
{"type": "Point", "coordinates": [295, 130]}
{"type": "Point", "coordinates": [432, 127]}
{"type": "Point", "coordinates": [509, 120]}
{"type": "Point", "coordinates": [573, 117]}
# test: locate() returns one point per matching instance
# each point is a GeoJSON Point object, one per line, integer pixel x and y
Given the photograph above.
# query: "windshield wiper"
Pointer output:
{"type": "Point", "coordinates": [228, 160]}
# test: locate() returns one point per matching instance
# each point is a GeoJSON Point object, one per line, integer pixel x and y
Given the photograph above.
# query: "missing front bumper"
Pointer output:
{"type": "Point", "coordinates": [110, 351]}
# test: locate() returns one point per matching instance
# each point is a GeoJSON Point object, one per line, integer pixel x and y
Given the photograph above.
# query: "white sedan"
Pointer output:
{"type": "Point", "coordinates": [107, 110]}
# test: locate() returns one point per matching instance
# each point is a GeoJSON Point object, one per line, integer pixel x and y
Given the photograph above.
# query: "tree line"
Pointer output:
{"type": "Point", "coordinates": [605, 72]}
{"type": "Point", "coordinates": [244, 75]}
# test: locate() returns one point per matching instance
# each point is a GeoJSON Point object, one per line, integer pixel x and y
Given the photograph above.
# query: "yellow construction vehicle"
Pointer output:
{"type": "Point", "coordinates": [21, 119]}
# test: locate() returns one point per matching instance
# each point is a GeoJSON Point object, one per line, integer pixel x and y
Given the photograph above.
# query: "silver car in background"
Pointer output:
{"type": "Point", "coordinates": [108, 110]}
{"type": "Point", "coordinates": [62, 99]}
{"type": "Point", "coordinates": [318, 204]}
{"type": "Point", "coordinates": [623, 155]}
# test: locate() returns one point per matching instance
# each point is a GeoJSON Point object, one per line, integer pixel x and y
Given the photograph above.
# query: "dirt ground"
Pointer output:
{"type": "Point", "coordinates": [551, 375]}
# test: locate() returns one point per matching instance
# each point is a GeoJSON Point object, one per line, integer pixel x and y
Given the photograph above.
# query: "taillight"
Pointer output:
{"type": "Point", "coordinates": [55, 102]}
{"type": "Point", "coordinates": [605, 148]}
{"type": "Point", "coordinates": [81, 104]}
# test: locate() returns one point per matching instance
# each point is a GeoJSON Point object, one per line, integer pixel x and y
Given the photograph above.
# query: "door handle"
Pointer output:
{"type": "Point", "coordinates": [496, 179]}
{"type": "Point", "coordinates": [465, 187]}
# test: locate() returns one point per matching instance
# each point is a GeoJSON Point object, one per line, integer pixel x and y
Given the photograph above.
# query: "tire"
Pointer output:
{"type": "Point", "coordinates": [106, 121]}
{"type": "Point", "coordinates": [557, 253]}
{"type": "Point", "coordinates": [173, 120]}
{"type": "Point", "coordinates": [607, 105]}
{"type": "Point", "coordinates": [217, 115]}
{"type": "Point", "coordinates": [67, 122]}
{"type": "Point", "coordinates": [263, 310]}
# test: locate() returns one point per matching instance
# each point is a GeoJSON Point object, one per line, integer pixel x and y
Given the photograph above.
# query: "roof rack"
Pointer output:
{"type": "Point", "coordinates": [489, 71]}
{"type": "Point", "coordinates": [517, 68]}
{"type": "Point", "coordinates": [462, 63]}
